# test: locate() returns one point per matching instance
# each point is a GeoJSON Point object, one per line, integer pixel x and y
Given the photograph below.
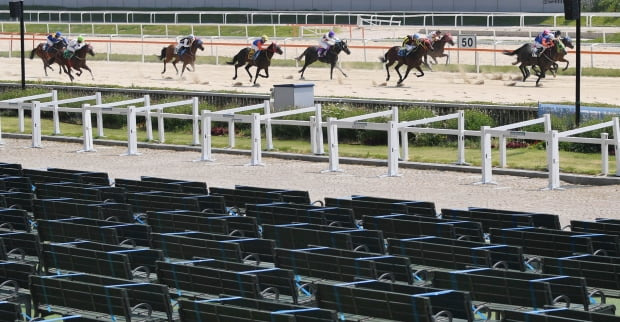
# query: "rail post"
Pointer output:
{"type": "Point", "coordinates": [485, 137]}
{"type": "Point", "coordinates": [195, 121]}
{"type": "Point", "coordinates": [553, 160]}
{"type": "Point", "coordinates": [268, 134]}
{"type": "Point", "coordinates": [132, 135]}
{"type": "Point", "coordinates": [393, 150]}
{"type": "Point", "coordinates": [604, 154]}
{"type": "Point", "coordinates": [616, 134]}
{"type": "Point", "coordinates": [55, 116]}
{"type": "Point", "coordinates": [87, 129]}
{"type": "Point", "coordinates": [147, 118]}
{"type": "Point", "coordinates": [332, 138]}
{"type": "Point", "coordinates": [205, 127]}
{"type": "Point", "coordinates": [99, 101]}
{"type": "Point", "coordinates": [319, 129]}
{"type": "Point", "coordinates": [161, 131]}
{"type": "Point", "coordinates": [256, 141]}
{"type": "Point", "coordinates": [460, 160]}
{"type": "Point", "coordinates": [36, 124]}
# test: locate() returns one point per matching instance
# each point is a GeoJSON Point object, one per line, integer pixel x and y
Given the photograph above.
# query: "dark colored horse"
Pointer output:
{"type": "Point", "coordinates": [77, 61]}
{"type": "Point", "coordinates": [261, 62]}
{"type": "Point", "coordinates": [566, 41]}
{"type": "Point", "coordinates": [331, 57]}
{"type": "Point", "coordinates": [413, 59]}
{"type": "Point", "coordinates": [48, 56]}
{"type": "Point", "coordinates": [544, 61]}
{"type": "Point", "coordinates": [439, 46]}
{"type": "Point", "coordinates": [188, 57]}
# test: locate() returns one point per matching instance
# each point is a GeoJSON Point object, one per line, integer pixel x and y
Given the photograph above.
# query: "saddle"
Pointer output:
{"type": "Point", "coordinates": [251, 53]}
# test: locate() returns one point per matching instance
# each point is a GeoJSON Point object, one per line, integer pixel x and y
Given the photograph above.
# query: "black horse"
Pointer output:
{"type": "Point", "coordinates": [331, 57]}
{"type": "Point", "coordinates": [262, 61]}
{"type": "Point", "coordinates": [544, 61]}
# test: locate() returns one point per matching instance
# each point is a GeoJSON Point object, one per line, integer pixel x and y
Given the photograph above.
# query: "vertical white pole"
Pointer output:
{"type": "Point", "coordinates": [195, 119]}
{"type": "Point", "coordinates": [268, 133]}
{"type": "Point", "coordinates": [604, 154]}
{"type": "Point", "coordinates": [55, 117]}
{"type": "Point", "coordinates": [147, 118]}
{"type": "Point", "coordinates": [313, 144]}
{"type": "Point", "coordinates": [132, 135]}
{"type": "Point", "coordinates": [161, 131]}
{"type": "Point", "coordinates": [256, 140]}
{"type": "Point", "coordinates": [393, 149]}
{"type": "Point", "coordinates": [616, 134]}
{"type": "Point", "coordinates": [502, 151]}
{"type": "Point", "coordinates": [460, 159]}
{"type": "Point", "coordinates": [36, 124]}
{"type": "Point", "coordinates": [332, 141]}
{"type": "Point", "coordinates": [547, 122]}
{"type": "Point", "coordinates": [395, 120]}
{"type": "Point", "coordinates": [99, 101]}
{"type": "Point", "coordinates": [319, 128]}
{"type": "Point", "coordinates": [553, 160]}
{"type": "Point", "coordinates": [231, 132]}
{"type": "Point", "coordinates": [487, 171]}
{"type": "Point", "coordinates": [206, 137]}
{"type": "Point", "coordinates": [1, 143]}
{"type": "Point", "coordinates": [404, 139]}
{"type": "Point", "coordinates": [87, 129]}
{"type": "Point", "coordinates": [20, 117]}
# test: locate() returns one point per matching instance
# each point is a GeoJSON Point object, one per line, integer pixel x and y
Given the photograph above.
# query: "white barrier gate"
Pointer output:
{"type": "Point", "coordinates": [354, 123]}
{"type": "Point", "coordinates": [36, 124]}
{"type": "Point", "coordinates": [410, 127]}
{"type": "Point", "coordinates": [87, 130]}
{"type": "Point", "coordinates": [603, 141]}
{"type": "Point", "coordinates": [146, 111]}
{"type": "Point", "coordinates": [504, 132]}
{"type": "Point", "coordinates": [255, 120]}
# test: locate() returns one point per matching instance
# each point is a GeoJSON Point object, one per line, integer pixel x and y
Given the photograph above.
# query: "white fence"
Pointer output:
{"type": "Point", "coordinates": [393, 128]}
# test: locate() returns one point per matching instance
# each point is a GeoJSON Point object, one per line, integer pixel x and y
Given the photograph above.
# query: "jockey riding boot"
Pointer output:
{"type": "Point", "coordinates": [537, 51]}
{"type": "Point", "coordinates": [250, 54]}
{"type": "Point", "coordinates": [256, 54]}
{"type": "Point", "coordinates": [321, 52]}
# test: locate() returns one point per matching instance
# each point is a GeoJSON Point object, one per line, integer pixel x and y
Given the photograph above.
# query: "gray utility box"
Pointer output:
{"type": "Point", "coordinates": [289, 96]}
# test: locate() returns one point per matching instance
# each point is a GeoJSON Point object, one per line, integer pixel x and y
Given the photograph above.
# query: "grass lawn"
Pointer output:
{"type": "Point", "coordinates": [532, 158]}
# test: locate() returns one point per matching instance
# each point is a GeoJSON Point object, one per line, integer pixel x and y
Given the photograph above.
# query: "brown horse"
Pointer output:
{"type": "Point", "coordinates": [77, 61]}
{"type": "Point", "coordinates": [439, 47]}
{"type": "Point", "coordinates": [548, 57]}
{"type": "Point", "coordinates": [413, 59]}
{"type": "Point", "coordinates": [262, 61]}
{"type": "Point", "coordinates": [46, 56]}
{"type": "Point", "coordinates": [188, 57]}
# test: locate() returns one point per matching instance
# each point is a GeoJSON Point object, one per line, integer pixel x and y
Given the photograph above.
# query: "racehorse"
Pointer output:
{"type": "Point", "coordinates": [549, 56]}
{"type": "Point", "coordinates": [545, 60]}
{"type": "Point", "coordinates": [78, 60]}
{"type": "Point", "coordinates": [262, 61]}
{"type": "Point", "coordinates": [188, 57]}
{"type": "Point", "coordinates": [413, 59]}
{"type": "Point", "coordinates": [566, 41]}
{"type": "Point", "coordinates": [439, 47]}
{"type": "Point", "coordinates": [331, 57]}
{"type": "Point", "coordinates": [47, 56]}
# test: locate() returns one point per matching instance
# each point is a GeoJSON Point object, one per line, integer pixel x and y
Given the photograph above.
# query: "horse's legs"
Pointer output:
{"type": "Point", "coordinates": [174, 64]}
{"type": "Point", "coordinates": [183, 69]}
{"type": "Point", "coordinates": [400, 77]}
{"type": "Point", "coordinates": [247, 69]}
{"type": "Point", "coordinates": [303, 69]}
{"type": "Point", "coordinates": [406, 74]}
{"type": "Point", "coordinates": [340, 69]}
{"type": "Point", "coordinates": [387, 69]}
{"type": "Point", "coordinates": [237, 66]}
{"type": "Point", "coordinates": [256, 76]}
{"type": "Point", "coordinates": [566, 61]}
{"type": "Point", "coordinates": [425, 62]}
{"type": "Point", "coordinates": [266, 73]}
{"type": "Point", "coordinates": [420, 70]}
{"type": "Point", "coordinates": [90, 71]}
{"type": "Point", "coordinates": [524, 71]}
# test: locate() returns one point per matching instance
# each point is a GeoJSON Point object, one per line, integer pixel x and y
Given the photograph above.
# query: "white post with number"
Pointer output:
{"type": "Point", "coordinates": [469, 41]}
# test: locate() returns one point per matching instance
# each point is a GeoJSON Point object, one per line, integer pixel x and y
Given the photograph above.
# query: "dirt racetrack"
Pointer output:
{"type": "Point", "coordinates": [361, 83]}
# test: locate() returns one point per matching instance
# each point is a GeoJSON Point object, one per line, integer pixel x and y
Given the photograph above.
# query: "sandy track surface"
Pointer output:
{"type": "Point", "coordinates": [447, 189]}
{"type": "Point", "coordinates": [438, 86]}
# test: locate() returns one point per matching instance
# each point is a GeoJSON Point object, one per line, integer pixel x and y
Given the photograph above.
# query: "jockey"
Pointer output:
{"type": "Point", "coordinates": [434, 35]}
{"type": "Point", "coordinates": [74, 45]}
{"type": "Point", "coordinates": [329, 39]}
{"type": "Point", "coordinates": [53, 40]}
{"type": "Point", "coordinates": [257, 46]}
{"type": "Point", "coordinates": [412, 42]}
{"type": "Point", "coordinates": [543, 41]}
{"type": "Point", "coordinates": [184, 42]}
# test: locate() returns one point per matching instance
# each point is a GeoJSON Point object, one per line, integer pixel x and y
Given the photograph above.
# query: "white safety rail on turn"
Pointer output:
{"type": "Point", "coordinates": [194, 117]}
{"type": "Point", "coordinates": [355, 122]}
{"type": "Point", "coordinates": [507, 131]}
{"type": "Point", "coordinates": [412, 127]}
{"type": "Point", "coordinates": [255, 119]}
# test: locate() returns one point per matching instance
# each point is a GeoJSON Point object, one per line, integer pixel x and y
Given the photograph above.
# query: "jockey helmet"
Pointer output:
{"type": "Point", "coordinates": [80, 39]}
{"type": "Point", "coordinates": [191, 36]}
{"type": "Point", "coordinates": [331, 34]}
{"type": "Point", "coordinates": [58, 34]}
{"type": "Point", "coordinates": [416, 36]}
{"type": "Point", "coordinates": [264, 38]}
{"type": "Point", "coordinates": [557, 33]}
{"type": "Point", "coordinates": [546, 32]}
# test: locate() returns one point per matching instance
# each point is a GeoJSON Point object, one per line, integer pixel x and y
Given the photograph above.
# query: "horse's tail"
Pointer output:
{"type": "Point", "coordinates": [32, 53]}
{"type": "Point", "coordinates": [384, 58]}
{"type": "Point", "coordinates": [302, 55]}
{"type": "Point", "coordinates": [236, 58]}
{"type": "Point", "coordinates": [509, 52]}
{"type": "Point", "coordinates": [163, 53]}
